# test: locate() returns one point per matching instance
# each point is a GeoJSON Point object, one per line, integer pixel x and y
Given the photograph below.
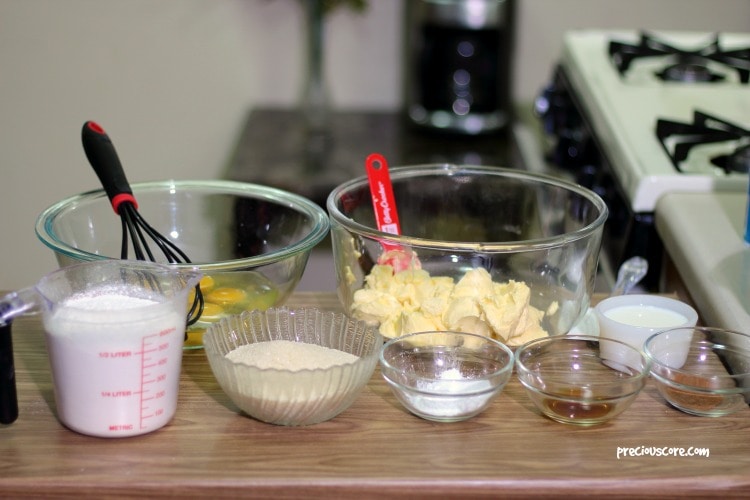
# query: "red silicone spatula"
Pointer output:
{"type": "Point", "coordinates": [386, 215]}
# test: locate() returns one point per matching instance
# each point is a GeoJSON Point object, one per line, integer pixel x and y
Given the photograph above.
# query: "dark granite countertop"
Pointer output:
{"type": "Point", "coordinates": [276, 149]}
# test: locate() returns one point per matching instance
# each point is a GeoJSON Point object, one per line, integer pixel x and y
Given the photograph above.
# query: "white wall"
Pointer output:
{"type": "Point", "coordinates": [172, 81]}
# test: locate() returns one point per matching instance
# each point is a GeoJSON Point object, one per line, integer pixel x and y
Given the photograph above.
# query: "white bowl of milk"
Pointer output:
{"type": "Point", "coordinates": [634, 318]}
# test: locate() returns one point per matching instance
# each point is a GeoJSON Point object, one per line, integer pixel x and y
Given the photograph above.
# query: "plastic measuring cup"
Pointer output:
{"type": "Point", "coordinates": [114, 332]}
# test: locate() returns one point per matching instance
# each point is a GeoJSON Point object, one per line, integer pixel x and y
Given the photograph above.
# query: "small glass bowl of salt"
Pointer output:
{"type": "Point", "coordinates": [446, 376]}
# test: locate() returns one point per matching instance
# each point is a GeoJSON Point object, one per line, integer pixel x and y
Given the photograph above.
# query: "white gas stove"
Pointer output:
{"type": "Point", "coordinates": [624, 109]}
{"type": "Point", "coordinates": [636, 114]}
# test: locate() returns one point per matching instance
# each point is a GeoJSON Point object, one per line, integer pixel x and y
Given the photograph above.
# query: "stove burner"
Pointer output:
{"type": "Point", "coordinates": [679, 138]}
{"type": "Point", "coordinates": [688, 71]}
{"type": "Point", "coordinates": [739, 161]}
{"type": "Point", "coordinates": [682, 65]}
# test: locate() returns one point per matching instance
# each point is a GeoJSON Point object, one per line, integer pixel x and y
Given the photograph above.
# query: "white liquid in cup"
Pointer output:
{"type": "Point", "coordinates": [632, 319]}
{"type": "Point", "coordinates": [646, 316]}
{"type": "Point", "coordinates": [118, 377]}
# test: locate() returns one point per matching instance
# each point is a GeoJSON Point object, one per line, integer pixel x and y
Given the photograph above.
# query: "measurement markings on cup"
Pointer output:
{"type": "Point", "coordinates": [154, 359]}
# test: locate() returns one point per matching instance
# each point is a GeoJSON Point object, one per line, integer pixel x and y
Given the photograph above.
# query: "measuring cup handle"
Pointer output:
{"type": "Point", "coordinates": [23, 301]}
{"type": "Point", "coordinates": [8, 396]}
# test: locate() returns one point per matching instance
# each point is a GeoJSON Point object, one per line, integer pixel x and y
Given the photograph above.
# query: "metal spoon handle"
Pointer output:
{"type": "Point", "coordinates": [631, 272]}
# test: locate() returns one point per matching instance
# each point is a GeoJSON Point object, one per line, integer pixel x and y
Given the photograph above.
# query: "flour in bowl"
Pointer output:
{"type": "Point", "coordinates": [289, 355]}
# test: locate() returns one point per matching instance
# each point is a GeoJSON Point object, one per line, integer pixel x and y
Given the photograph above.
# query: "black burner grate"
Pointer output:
{"type": "Point", "coordinates": [678, 138]}
{"type": "Point", "coordinates": [680, 64]}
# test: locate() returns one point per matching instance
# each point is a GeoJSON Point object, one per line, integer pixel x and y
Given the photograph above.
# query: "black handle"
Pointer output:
{"type": "Point", "coordinates": [8, 397]}
{"type": "Point", "coordinates": [103, 158]}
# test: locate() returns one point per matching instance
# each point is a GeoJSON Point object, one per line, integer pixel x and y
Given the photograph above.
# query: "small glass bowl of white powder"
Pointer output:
{"type": "Point", "coordinates": [292, 366]}
{"type": "Point", "coordinates": [446, 376]}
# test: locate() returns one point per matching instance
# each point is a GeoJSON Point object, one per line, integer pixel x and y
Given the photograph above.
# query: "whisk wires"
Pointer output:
{"type": "Point", "coordinates": [137, 231]}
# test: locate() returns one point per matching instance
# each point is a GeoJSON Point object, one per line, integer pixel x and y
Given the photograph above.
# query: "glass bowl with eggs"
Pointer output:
{"type": "Point", "coordinates": [250, 242]}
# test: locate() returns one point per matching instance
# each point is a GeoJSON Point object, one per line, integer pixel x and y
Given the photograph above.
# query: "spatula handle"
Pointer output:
{"type": "Point", "coordinates": [381, 190]}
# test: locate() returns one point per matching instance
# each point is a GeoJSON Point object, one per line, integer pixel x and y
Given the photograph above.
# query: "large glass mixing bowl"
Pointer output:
{"type": "Point", "coordinates": [251, 242]}
{"type": "Point", "coordinates": [537, 235]}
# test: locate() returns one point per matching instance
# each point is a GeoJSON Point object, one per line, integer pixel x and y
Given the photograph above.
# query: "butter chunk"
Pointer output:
{"type": "Point", "coordinates": [419, 322]}
{"type": "Point", "coordinates": [412, 301]}
{"type": "Point", "coordinates": [374, 306]}
{"type": "Point", "coordinates": [459, 308]}
{"type": "Point", "coordinates": [505, 308]}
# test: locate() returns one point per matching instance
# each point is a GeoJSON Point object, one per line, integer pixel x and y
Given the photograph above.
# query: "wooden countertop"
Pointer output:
{"type": "Point", "coordinates": [375, 448]}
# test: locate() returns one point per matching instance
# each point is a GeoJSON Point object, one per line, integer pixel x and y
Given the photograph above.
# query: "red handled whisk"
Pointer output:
{"type": "Point", "coordinates": [135, 230]}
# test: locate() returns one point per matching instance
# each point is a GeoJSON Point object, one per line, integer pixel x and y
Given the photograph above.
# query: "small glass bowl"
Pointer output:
{"type": "Point", "coordinates": [701, 371]}
{"type": "Point", "coordinates": [286, 396]}
{"type": "Point", "coordinates": [446, 376]}
{"type": "Point", "coordinates": [579, 379]}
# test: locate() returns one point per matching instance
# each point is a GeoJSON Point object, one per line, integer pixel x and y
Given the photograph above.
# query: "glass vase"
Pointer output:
{"type": "Point", "coordinates": [315, 100]}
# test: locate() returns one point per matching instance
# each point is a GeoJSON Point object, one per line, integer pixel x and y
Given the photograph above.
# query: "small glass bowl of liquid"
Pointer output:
{"type": "Point", "coordinates": [580, 379]}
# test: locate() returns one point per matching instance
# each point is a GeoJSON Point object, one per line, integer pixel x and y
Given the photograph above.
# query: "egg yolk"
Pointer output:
{"type": "Point", "coordinates": [225, 295]}
{"type": "Point", "coordinates": [207, 283]}
{"type": "Point", "coordinates": [211, 312]}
